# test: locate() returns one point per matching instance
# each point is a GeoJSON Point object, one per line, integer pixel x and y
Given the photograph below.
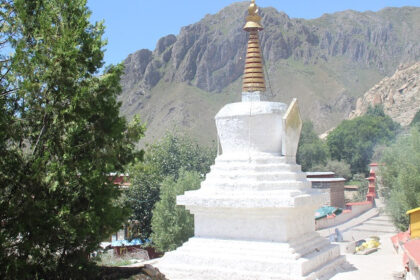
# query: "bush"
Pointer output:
{"type": "Point", "coordinates": [340, 168]}
{"type": "Point", "coordinates": [416, 120]}
{"type": "Point", "coordinates": [166, 158]}
{"type": "Point", "coordinates": [172, 225]}
{"type": "Point", "coordinates": [311, 150]}
{"type": "Point", "coordinates": [363, 184]}
{"type": "Point", "coordinates": [401, 177]}
{"type": "Point", "coordinates": [354, 140]}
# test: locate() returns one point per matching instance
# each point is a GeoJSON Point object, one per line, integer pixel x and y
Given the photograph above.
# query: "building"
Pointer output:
{"type": "Point", "coordinates": [408, 243]}
{"type": "Point", "coordinates": [326, 182]}
{"type": "Point", "coordinates": [414, 215]}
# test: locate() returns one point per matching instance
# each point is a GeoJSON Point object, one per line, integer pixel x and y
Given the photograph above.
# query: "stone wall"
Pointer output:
{"type": "Point", "coordinates": [337, 194]}
{"type": "Point", "coordinates": [353, 210]}
{"type": "Point", "coordinates": [334, 187]}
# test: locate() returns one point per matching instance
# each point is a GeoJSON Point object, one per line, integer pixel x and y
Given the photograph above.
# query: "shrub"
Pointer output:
{"type": "Point", "coordinates": [172, 225]}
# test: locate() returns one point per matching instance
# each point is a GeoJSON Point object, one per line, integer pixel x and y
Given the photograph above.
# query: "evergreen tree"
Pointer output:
{"type": "Point", "coordinates": [61, 135]}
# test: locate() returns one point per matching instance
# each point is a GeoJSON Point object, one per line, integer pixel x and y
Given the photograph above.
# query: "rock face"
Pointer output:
{"type": "Point", "coordinates": [327, 63]}
{"type": "Point", "coordinates": [399, 95]}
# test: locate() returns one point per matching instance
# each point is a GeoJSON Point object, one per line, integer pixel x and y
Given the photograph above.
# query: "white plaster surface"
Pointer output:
{"type": "Point", "coordinates": [251, 127]}
{"type": "Point", "coordinates": [254, 213]}
{"type": "Point", "coordinates": [292, 124]}
{"type": "Point", "coordinates": [200, 258]}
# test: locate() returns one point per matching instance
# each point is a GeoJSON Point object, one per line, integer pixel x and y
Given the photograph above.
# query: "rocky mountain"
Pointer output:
{"type": "Point", "coordinates": [327, 63]}
{"type": "Point", "coordinates": [399, 95]}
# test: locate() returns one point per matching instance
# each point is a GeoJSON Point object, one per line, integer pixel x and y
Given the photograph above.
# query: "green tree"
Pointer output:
{"type": "Point", "coordinates": [359, 180]}
{"type": "Point", "coordinates": [141, 198]}
{"type": "Point", "coordinates": [61, 136]}
{"type": "Point", "coordinates": [416, 120]}
{"type": "Point", "coordinates": [175, 152]}
{"type": "Point", "coordinates": [377, 110]}
{"type": "Point", "coordinates": [165, 158]}
{"type": "Point", "coordinates": [311, 150]}
{"type": "Point", "coordinates": [340, 168]}
{"type": "Point", "coordinates": [172, 225]}
{"type": "Point", "coordinates": [354, 140]}
{"type": "Point", "coordinates": [401, 177]}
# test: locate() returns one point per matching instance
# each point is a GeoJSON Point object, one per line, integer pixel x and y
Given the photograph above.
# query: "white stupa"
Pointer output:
{"type": "Point", "coordinates": [254, 213]}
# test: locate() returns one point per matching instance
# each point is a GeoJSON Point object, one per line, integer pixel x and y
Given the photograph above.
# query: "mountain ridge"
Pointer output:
{"type": "Point", "coordinates": [326, 62]}
{"type": "Point", "coordinates": [399, 95]}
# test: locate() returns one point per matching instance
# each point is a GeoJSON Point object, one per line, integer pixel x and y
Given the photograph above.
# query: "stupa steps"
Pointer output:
{"type": "Point", "coordinates": [263, 262]}
{"type": "Point", "coordinates": [255, 185]}
{"type": "Point", "coordinates": [258, 249]}
{"type": "Point", "coordinates": [234, 167]}
{"type": "Point", "coordinates": [204, 272]}
{"type": "Point", "coordinates": [328, 269]}
{"type": "Point", "coordinates": [258, 160]}
{"type": "Point", "coordinates": [219, 273]}
{"type": "Point", "coordinates": [256, 176]}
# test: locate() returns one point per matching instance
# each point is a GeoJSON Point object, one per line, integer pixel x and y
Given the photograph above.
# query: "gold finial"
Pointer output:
{"type": "Point", "coordinates": [254, 74]}
{"type": "Point", "coordinates": [253, 21]}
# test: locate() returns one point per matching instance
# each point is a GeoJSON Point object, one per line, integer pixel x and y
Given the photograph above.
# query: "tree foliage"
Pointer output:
{"type": "Point", "coordinates": [311, 150]}
{"type": "Point", "coordinates": [360, 180]}
{"type": "Point", "coordinates": [172, 225]}
{"type": "Point", "coordinates": [401, 177]}
{"type": "Point", "coordinates": [165, 158]}
{"type": "Point", "coordinates": [141, 198]}
{"type": "Point", "coordinates": [175, 152]}
{"type": "Point", "coordinates": [61, 134]}
{"type": "Point", "coordinates": [354, 140]}
{"type": "Point", "coordinates": [340, 168]}
{"type": "Point", "coordinates": [416, 120]}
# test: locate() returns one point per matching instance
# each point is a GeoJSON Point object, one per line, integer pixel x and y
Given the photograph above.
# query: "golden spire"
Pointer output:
{"type": "Point", "coordinates": [254, 73]}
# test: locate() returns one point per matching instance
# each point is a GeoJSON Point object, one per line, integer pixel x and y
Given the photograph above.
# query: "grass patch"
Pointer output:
{"type": "Point", "coordinates": [109, 259]}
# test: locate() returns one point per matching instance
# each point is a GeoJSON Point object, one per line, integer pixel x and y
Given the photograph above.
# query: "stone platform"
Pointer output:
{"type": "Point", "coordinates": [254, 219]}
{"type": "Point", "coordinates": [310, 257]}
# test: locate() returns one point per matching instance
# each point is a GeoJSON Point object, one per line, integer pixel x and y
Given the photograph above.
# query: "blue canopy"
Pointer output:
{"type": "Point", "coordinates": [126, 243]}
{"type": "Point", "coordinates": [327, 210]}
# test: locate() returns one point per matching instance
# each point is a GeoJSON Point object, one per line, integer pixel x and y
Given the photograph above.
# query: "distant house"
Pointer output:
{"type": "Point", "coordinates": [122, 180]}
{"type": "Point", "coordinates": [326, 182]}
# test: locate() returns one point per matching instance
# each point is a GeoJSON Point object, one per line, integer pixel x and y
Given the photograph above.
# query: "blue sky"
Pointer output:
{"type": "Point", "coordinates": [136, 24]}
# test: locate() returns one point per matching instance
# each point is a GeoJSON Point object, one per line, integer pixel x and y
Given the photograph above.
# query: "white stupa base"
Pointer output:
{"type": "Point", "coordinates": [254, 219]}
{"type": "Point", "coordinates": [309, 257]}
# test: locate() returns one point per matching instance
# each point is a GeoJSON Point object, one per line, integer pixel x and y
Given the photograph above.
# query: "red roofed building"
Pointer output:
{"type": "Point", "coordinates": [121, 180]}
